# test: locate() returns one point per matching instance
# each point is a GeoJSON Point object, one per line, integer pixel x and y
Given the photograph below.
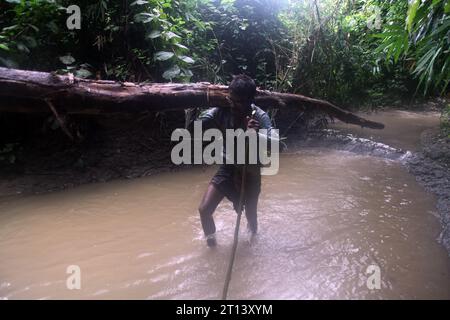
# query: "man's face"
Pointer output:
{"type": "Point", "coordinates": [240, 104]}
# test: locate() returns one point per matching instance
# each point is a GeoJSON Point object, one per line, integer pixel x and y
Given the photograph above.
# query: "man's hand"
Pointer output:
{"type": "Point", "coordinates": [252, 123]}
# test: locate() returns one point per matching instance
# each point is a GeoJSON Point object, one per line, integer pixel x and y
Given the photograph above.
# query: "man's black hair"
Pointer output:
{"type": "Point", "coordinates": [243, 85]}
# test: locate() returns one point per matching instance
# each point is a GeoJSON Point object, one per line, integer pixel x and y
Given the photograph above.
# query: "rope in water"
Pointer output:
{"type": "Point", "coordinates": [236, 236]}
{"type": "Point", "coordinates": [236, 229]}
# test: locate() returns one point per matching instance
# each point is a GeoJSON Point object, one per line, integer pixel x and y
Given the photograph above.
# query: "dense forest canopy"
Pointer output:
{"type": "Point", "coordinates": [342, 50]}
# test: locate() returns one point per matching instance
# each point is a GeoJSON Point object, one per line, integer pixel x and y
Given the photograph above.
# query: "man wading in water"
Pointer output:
{"type": "Point", "coordinates": [227, 181]}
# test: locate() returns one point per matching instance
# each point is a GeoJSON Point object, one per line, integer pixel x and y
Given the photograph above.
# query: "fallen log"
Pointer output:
{"type": "Point", "coordinates": [31, 91]}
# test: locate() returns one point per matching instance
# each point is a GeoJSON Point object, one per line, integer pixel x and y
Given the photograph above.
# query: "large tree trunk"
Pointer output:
{"type": "Point", "coordinates": [31, 91]}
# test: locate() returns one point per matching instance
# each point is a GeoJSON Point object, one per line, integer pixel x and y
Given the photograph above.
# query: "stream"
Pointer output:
{"type": "Point", "coordinates": [324, 220]}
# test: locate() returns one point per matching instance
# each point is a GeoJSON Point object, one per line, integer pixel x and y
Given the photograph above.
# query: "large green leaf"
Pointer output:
{"type": "Point", "coordinates": [412, 10]}
{"type": "Point", "coordinates": [163, 55]}
{"type": "Point", "coordinates": [154, 34]}
{"type": "Point", "coordinates": [186, 59]}
{"type": "Point", "coordinates": [83, 73]}
{"type": "Point", "coordinates": [22, 47]}
{"type": "Point", "coordinates": [139, 2]}
{"type": "Point", "coordinates": [169, 35]}
{"type": "Point", "coordinates": [172, 72]}
{"type": "Point", "coordinates": [179, 45]}
{"type": "Point", "coordinates": [187, 72]}
{"type": "Point", "coordinates": [144, 17]}
{"type": "Point", "coordinates": [67, 59]}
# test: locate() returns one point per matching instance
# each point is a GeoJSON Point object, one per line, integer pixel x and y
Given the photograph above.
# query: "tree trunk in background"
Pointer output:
{"type": "Point", "coordinates": [31, 91]}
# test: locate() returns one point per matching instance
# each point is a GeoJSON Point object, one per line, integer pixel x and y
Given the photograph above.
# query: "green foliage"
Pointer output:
{"type": "Point", "coordinates": [26, 27]}
{"type": "Point", "coordinates": [118, 40]}
{"type": "Point", "coordinates": [240, 40]}
{"type": "Point", "coordinates": [329, 48]}
{"type": "Point", "coordinates": [332, 55]}
{"type": "Point", "coordinates": [419, 33]}
{"type": "Point", "coordinates": [169, 27]}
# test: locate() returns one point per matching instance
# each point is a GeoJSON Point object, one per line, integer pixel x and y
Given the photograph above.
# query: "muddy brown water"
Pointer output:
{"type": "Point", "coordinates": [324, 220]}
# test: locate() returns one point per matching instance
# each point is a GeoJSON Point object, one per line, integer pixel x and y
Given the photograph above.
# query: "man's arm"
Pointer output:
{"type": "Point", "coordinates": [265, 123]}
{"type": "Point", "coordinates": [207, 117]}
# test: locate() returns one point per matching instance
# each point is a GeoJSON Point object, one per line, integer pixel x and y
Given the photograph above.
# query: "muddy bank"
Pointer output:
{"type": "Point", "coordinates": [431, 166]}
{"type": "Point", "coordinates": [335, 139]}
{"type": "Point", "coordinates": [109, 147]}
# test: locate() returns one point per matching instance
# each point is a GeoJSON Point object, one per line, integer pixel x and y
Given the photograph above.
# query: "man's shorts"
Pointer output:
{"type": "Point", "coordinates": [228, 180]}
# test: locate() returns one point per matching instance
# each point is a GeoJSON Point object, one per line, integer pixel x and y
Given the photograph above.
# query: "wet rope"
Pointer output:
{"type": "Point", "coordinates": [236, 235]}
{"type": "Point", "coordinates": [236, 229]}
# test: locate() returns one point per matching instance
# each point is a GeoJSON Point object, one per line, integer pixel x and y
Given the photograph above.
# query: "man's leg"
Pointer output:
{"type": "Point", "coordinates": [209, 203]}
